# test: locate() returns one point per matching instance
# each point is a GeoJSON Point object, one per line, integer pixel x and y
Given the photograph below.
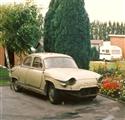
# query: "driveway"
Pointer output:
{"type": "Point", "coordinates": [29, 106]}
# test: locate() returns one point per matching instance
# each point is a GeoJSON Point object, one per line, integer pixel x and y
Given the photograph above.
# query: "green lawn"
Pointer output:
{"type": "Point", "coordinates": [4, 82]}
{"type": "Point", "coordinates": [4, 77]}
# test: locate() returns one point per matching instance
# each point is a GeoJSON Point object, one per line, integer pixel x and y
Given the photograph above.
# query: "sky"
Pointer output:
{"type": "Point", "coordinates": [102, 10]}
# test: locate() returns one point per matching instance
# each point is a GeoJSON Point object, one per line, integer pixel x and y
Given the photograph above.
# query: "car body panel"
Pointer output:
{"type": "Point", "coordinates": [64, 74]}
{"type": "Point", "coordinates": [34, 77]}
{"type": "Point", "coordinates": [58, 72]}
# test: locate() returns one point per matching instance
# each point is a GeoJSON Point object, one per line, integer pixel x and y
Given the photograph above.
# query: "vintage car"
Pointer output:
{"type": "Point", "coordinates": [54, 75]}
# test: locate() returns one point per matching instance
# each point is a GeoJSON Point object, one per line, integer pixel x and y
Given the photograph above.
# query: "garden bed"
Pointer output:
{"type": "Point", "coordinates": [114, 88]}
{"type": "Point", "coordinates": [112, 83]}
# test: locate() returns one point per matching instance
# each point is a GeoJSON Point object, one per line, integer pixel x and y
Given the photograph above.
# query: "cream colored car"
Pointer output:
{"type": "Point", "coordinates": [54, 75]}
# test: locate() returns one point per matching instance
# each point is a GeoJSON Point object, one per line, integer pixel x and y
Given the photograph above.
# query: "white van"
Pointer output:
{"type": "Point", "coordinates": [110, 52]}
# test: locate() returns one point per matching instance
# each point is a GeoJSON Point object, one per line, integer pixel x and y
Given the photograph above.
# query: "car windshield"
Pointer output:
{"type": "Point", "coordinates": [59, 62]}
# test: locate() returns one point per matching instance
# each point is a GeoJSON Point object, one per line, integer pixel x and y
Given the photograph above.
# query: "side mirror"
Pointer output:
{"type": "Point", "coordinates": [33, 49]}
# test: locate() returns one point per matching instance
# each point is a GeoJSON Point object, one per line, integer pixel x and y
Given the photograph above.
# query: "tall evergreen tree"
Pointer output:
{"type": "Point", "coordinates": [71, 31]}
{"type": "Point", "coordinates": [49, 30]}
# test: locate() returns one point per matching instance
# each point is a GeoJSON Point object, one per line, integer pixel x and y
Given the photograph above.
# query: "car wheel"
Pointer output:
{"type": "Point", "coordinates": [53, 95]}
{"type": "Point", "coordinates": [16, 87]}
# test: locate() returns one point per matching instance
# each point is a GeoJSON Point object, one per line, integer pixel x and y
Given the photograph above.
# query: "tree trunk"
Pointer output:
{"type": "Point", "coordinates": [7, 58]}
{"type": "Point", "coordinates": [11, 58]}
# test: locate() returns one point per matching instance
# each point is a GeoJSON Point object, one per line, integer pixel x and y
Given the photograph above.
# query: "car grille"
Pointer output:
{"type": "Point", "coordinates": [89, 91]}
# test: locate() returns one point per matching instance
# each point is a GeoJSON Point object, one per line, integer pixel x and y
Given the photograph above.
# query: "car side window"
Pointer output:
{"type": "Point", "coordinates": [37, 63]}
{"type": "Point", "coordinates": [27, 61]}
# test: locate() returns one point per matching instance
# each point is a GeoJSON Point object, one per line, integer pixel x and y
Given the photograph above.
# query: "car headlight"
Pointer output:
{"type": "Point", "coordinates": [99, 79]}
{"type": "Point", "coordinates": [71, 81]}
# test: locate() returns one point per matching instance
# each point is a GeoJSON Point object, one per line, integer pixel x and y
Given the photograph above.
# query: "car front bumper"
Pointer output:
{"type": "Point", "coordinates": [84, 92]}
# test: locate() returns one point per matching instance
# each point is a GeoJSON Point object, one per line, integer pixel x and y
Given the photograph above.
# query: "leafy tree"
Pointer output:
{"type": "Point", "coordinates": [99, 30]}
{"type": "Point", "coordinates": [21, 28]}
{"type": "Point", "coordinates": [71, 31]}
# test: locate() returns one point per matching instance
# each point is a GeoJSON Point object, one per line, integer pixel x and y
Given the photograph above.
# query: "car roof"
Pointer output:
{"type": "Point", "coordinates": [47, 55]}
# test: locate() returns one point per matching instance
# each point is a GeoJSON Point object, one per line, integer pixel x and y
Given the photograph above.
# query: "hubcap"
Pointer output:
{"type": "Point", "coordinates": [51, 94]}
{"type": "Point", "coordinates": [15, 86]}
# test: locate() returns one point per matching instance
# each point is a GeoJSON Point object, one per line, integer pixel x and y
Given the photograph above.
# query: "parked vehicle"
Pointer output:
{"type": "Point", "coordinates": [110, 52]}
{"type": "Point", "coordinates": [54, 75]}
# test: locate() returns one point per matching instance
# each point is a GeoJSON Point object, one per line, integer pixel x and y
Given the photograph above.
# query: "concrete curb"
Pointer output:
{"type": "Point", "coordinates": [115, 99]}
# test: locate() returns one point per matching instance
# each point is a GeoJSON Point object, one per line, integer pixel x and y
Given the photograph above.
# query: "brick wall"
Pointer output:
{"type": "Point", "coordinates": [118, 40]}
{"type": "Point", "coordinates": [17, 59]}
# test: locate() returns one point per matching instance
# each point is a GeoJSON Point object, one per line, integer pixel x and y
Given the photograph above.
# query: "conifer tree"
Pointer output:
{"type": "Point", "coordinates": [72, 31]}
{"type": "Point", "coordinates": [49, 39]}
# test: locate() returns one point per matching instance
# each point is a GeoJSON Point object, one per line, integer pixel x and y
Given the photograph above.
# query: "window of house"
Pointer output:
{"type": "Point", "coordinates": [115, 51]}
{"type": "Point", "coordinates": [107, 51]}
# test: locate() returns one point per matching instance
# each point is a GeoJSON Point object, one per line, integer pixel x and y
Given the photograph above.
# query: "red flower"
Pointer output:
{"type": "Point", "coordinates": [115, 85]}
{"type": "Point", "coordinates": [110, 85]}
{"type": "Point", "coordinates": [106, 85]}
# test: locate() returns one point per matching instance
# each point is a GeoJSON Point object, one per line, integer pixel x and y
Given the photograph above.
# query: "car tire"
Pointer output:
{"type": "Point", "coordinates": [53, 95]}
{"type": "Point", "coordinates": [16, 87]}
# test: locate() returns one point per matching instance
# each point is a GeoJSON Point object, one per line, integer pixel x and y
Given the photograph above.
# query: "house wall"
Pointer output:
{"type": "Point", "coordinates": [118, 40]}
{"type": "Point", "coordinates": [2, 58]}
{"type": "Point", "coordinates": [18, 60]}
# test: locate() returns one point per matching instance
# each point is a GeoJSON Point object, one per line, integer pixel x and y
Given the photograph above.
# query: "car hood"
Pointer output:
{"type": "Point", "coordinates": [64, 74]}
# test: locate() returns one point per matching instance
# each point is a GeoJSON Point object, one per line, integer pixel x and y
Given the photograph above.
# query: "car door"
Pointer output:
{"type": "Point", "coordinates": [35, 73]}
{"type": "Point", "coordinates": [24, 68]}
